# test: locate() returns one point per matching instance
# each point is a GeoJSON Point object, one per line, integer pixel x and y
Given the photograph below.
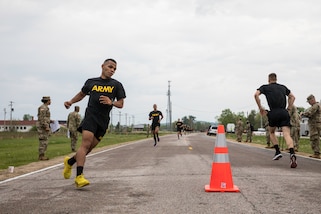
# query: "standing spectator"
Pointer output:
{"type": "Point", "coordinates": [239, 130]}
{"type": "Point", "coordinates": [43, 127]}
{"type": "Point", "coordinates": [314, 115]}
{"type": "Point", "coordinates": [104, 93]}
{"type": "Point", "coordinates": [249, 130]}
{"type": "Point", "coordinates": [156, 116]}
{"type": "Point", "coordinates": [278, 115]}
{"type": "Point", "coordinates": [295, 126]}
{"type": "Point", "coordinates": [179, 127]}
{"type": "Point", "coordinates": [73, 122]}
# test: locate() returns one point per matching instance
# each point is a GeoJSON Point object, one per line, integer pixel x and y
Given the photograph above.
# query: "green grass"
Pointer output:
{"type": "Point", "coordinates": [17, 149]}
{"type": "Point", "coordinates": [304, 142]}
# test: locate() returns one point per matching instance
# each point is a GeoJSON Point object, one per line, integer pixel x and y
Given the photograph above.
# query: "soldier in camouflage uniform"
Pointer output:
{"type": "Point", "coordinates": [248, 132]}
{"type": "Point", "coordinates": [73, 122]}
{"type": "Point", "coordinates": [295, 126]}
{"type": "Point", "coordinates": [239, 130]}
{"type": "Point", "coordinates": [314, 115]}
{"type": "Point", "coordinates": [43, 127]}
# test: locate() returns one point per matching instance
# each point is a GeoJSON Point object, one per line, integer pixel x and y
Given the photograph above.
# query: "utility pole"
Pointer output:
{"type": "Point", "coordinates": [4, 119]}
{"type": "Point", "coordinates": [119, 120]}
{"type": "Point", "coordinates": [169, 106]}
{"type": "Point", "coordinates": [11, 110]}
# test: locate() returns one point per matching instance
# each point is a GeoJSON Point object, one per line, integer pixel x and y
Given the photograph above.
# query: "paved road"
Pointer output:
{"type": "Point", "coordinates": [170, 178]}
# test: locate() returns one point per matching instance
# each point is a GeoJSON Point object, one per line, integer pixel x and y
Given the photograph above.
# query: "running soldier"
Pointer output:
{"type": "Point", "coordinates": [278, 115]}
{"type": "Point", "coordinates": [179, 127]}
{"type": "Point", "coordinates": [104, 93]}
{"type": "Point", "coordinates": [156, 116]}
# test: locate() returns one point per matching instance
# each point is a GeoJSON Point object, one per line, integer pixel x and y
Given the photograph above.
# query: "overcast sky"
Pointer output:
{"type": "Point", "coordinates": [215, 53]}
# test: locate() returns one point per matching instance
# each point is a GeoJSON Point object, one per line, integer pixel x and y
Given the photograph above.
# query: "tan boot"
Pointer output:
{"type": "Point", "coordinates": [42, 158]}
{"type": "Point", "coordinates": [315, 156]}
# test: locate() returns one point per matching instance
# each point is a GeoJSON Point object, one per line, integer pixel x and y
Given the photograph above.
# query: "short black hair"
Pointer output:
{"type": "Point", "coordinates": [272, 76]}
{"type": "Point", "coordinates": [110, 60]}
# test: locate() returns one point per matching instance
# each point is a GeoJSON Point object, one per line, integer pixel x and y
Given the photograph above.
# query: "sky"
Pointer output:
{"type": "Point", "coordinates": [211, 54]}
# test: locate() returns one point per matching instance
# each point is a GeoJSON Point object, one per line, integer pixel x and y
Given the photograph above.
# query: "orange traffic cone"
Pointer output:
{"type": "Point", "coordinates": [221, 177]}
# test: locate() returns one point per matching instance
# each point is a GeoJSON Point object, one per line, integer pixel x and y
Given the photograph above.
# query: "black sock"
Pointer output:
{"type": "Point", "coordinates": [155, 137]}
{"type": "Point", "coordinates": [291, 151]}
{"type": "Point", "coordinates": [80, 169]}
{"type": "Point", "coordinates": [71, 161]}
{"type": "Point", "coordinates": [277, 149]}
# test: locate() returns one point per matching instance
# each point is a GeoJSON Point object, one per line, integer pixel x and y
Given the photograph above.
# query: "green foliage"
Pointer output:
{"type": "Point", "coordinates": [227, 116]}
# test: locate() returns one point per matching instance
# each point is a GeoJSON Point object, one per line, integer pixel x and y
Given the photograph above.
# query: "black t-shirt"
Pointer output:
{"type": "Point", "coordinates": [179, 125]}
{"type": "Point", "coordinates": [275, 95]}
{"type": "Point", "coordinates": [155, 115]}
{"type": "Point", "coordinates": [95, 87]}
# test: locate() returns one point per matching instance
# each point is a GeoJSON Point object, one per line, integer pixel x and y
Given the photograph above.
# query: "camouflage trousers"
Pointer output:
{"type": "Point", "coordinates": [239, 136]}
{"type": "Point", "coordinates": [295, 134]}
{"type": "Point", "coordinates": [73, 139]}
{"type": "Point", "coordinates": [315, 131]}
{"type": "Point", "coordinates": [43, 140]}
{"type": "Point", "coordinates": [249, 136]}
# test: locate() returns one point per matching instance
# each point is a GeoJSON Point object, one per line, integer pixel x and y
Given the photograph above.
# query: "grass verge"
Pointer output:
{"type": "Point", "coordinates": [20, 149]}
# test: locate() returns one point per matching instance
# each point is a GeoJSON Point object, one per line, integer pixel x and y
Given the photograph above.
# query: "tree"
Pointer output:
{"type": "Point", "coordinates": [189, 121]}
{"type": "Point", "coordinates": [227, 116]}
{"type": "Point", "coordinates": [27, 117]}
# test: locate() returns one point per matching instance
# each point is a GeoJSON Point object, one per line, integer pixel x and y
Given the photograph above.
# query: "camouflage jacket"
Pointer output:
{"type": "Point", "coordinates": [313, 113]}
{"type": "Point", "coordinates": [43, 117]}
{"type": "Point", "coordinates": [239, 126]}
{"type": "Point", "coordinates": [294, 117]}
{"type": "Point", "coordinates": [73, 121]}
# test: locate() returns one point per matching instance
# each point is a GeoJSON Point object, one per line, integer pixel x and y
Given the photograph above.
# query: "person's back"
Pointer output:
{"type": "Point", "coordinates": [278, 115]}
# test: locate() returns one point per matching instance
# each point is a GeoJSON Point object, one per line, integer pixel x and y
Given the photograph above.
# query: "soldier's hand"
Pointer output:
{"type": "Point", "coordinates": [105, 100]}
{"type": "Point", "coordinates": [67, 104]}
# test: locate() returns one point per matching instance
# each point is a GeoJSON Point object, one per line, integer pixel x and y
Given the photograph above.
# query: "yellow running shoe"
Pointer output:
{"type": "Point", "coordinates": [67, 168]}
{"type": "Point", "coordinates": [81, 181]}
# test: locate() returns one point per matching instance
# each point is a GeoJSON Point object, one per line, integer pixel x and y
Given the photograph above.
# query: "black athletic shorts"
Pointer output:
{"type": "Point", "coordinates": [278, 118]}
{"type": "Point", "coordinates": [95, 125]}
{"type": "Point", "coordinates": [154, 125]}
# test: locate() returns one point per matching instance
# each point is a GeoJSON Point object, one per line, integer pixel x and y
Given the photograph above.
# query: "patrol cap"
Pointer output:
{"type": "Point", "coordinates": [310, 97]}
{"type": "Point", "coordinates": [45, 98]}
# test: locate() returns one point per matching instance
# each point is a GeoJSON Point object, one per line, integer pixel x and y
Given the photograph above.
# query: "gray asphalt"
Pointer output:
{"type": "Point", "coordinates": [170, 178]}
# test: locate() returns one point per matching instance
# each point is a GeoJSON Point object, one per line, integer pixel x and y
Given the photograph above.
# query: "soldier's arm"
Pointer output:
{"type": "Point", "coordinates": [75, 99]}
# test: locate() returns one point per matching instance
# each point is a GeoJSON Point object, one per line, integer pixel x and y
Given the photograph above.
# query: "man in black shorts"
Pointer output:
{"type": "Point", "coordinates": [104, 93]}
{"type": "Point", "coordinates": [278, 115]}
{"type": "Point", "coordinates": [179, 127]}
{"type": "Point", "coordinates": [156, 116]}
